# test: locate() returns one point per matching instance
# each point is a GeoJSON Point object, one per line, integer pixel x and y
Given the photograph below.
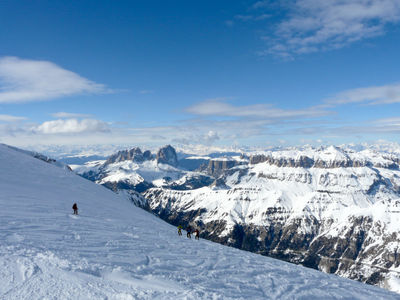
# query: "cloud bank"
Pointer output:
{"type": "Point", "coordinates": [24, 80]}
{"type": "Point", "coordinates": [71, 126]}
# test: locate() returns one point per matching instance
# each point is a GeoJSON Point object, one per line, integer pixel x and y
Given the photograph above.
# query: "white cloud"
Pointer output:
{"type": "Point", "coordinates": [8, 118]}
{"type": "Point", "coordinates": [66, 115]}
{"type": "Point", "coordinates": [315, 25]}
{"type": "Point", "coordinates": [216, 107]}
{"type": "Point", "coordinates": [71, 126]}
{"type": "Point", "coordinates": [385, 94]}
{"type": "Point", "coordinates": [24, 80]}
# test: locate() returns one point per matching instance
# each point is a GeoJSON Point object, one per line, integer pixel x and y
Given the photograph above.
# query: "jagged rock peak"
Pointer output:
{"type": "Point", "coordinates": [167, 155]}
{"type": "Point", "coordinates": [135, 154]}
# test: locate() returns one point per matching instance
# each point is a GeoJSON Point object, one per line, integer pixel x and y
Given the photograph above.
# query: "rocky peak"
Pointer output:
{"type": "Point", "coordinates": [135, 154]}
{"type": "Point", "coordinates": [167, 155]}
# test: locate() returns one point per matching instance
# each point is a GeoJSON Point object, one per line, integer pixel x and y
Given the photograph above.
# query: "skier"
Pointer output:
{"type": "Point", "coordinates": [189, 230]}
{"type": "Point", "coordinates": [75, 208]}
{"type": "Point", "coordinates": [180, 230]}
{"type": "Point", "coordinates": [197, 234]}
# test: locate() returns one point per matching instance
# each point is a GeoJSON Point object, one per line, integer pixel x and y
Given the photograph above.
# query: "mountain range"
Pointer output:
{"type": "Point", "coordinates": [335, 209]}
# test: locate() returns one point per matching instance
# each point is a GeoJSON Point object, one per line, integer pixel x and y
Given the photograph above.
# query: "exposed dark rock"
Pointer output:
{"type": "Point", "coordinates": [147, 155]}
{"type": "Point", "coordinates": [217, 167]}
{"type": "Point", "coordinates": [135, 154]}
{"type": "Point", "coordinates": [302, 161]}
{"type": "Point", "coordinates": [259, 158]}
{"type": "Point", "coordinates": [167, 155]}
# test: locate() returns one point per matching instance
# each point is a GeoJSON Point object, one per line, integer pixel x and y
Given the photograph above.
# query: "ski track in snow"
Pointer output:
{"type": "Point", "coordinates": [114, 250]}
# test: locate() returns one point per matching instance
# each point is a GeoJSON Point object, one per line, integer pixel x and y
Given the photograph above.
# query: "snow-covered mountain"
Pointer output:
{"type": "Point", "coordinates": [115, 250]}
{"type": "Point", "coordinates": [336, 209]}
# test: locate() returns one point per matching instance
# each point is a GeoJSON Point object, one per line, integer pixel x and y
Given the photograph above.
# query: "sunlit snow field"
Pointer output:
{"type": "Point", "coordinates": [114, 250]}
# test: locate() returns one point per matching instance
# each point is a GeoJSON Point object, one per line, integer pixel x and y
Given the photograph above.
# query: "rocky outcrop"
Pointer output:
{"type": "Point", "coordinates": [135, 154]}
{"type": "Point", "coordinates": [216, 167]}
{"type": "Point", "coordinates": [301, 162]}
{"type": "Point", "coordinates": [167, 155]}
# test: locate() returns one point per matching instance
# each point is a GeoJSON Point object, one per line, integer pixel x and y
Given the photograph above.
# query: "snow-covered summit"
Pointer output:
{"type": "Point", "coordinates": [114, 250]}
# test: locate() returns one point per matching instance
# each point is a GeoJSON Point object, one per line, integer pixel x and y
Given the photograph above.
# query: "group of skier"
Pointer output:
{"type": "Point", "coordinates": [189, 232]}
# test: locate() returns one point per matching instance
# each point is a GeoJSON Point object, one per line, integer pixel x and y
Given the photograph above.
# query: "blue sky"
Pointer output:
{"type": "Point", "coordinates": [222, 73]}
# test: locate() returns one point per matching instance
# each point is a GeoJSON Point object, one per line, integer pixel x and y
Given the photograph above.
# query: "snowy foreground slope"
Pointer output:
{"type": "Point", "coordinates": [114, 250]}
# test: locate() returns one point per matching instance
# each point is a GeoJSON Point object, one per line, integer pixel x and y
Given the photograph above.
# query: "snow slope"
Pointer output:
{"type": "Point", "coordinates": [114, 250]}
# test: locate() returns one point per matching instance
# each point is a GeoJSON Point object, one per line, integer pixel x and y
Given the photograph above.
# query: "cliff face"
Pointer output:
{"type": "Point", "coordinates": [301, 162]}
{"type": "Point", "coordinates": [217, 167]}
{"type": "Point", "coordinates": [167, 155]}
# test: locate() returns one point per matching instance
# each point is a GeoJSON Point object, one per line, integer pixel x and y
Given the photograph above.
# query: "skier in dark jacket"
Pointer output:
{"type": "Point", "coordinates": [188, 230]}
{"type": "Point", "coordinates": [75, 208]}
{"type": "Point", "coordinates": [197, 234]}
